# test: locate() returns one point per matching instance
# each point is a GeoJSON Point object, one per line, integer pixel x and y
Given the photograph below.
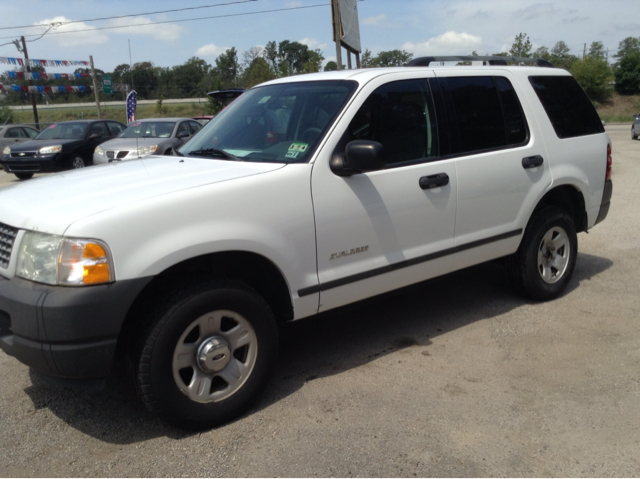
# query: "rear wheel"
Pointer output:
{"type": "Point", "coordinates": [634, 135]}
{"type": "Point", "coordinates": [206, 354]}
{"type": "Point", "coordinates": [24, 176]}
{"type": "Point", "coordinates": [543, 265]}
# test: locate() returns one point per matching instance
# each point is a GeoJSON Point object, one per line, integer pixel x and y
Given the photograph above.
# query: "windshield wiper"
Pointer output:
{"type": "Point", "coordinates": [214, 153]}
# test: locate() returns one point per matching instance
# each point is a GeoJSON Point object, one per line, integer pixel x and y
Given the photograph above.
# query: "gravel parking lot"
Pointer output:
{"type": "Point", "coordinates": [453, 377]}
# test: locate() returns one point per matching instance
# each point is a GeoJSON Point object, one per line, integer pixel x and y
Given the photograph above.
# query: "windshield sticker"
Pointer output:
{"type": "Point", "coordinates": [264, 100]}
{"type": "Point", "coordinates": [292, 154]}
{"type": "Point", "coordinates": [51, 126]}
{"type": "Point", "coordinates": [298, 147]}
{"type": "Point", "coordinates": [138, 123]}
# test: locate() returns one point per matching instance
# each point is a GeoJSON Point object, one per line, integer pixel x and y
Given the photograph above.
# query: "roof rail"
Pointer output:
{"type": "Point", "coordinates": [491, 60]}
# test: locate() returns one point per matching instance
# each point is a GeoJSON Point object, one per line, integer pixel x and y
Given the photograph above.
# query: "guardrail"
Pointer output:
{"type": "Point", "coordinates": [103, 104]}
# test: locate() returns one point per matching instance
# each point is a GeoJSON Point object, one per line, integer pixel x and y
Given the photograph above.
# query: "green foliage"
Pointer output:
{"type": "Point", "coordinates": [160, 108]}
{"type": "Point", "coordinates": [560, 56]}
{"type": "Point", "coordinates": [6, 115]}
{"type": "Point", "coordinates": [228, 68]}
{"type": "Point", "coordinates": [331, 66]}
{"type": "Point", "coordinates": [521, 46]}
{"type": "Point", "coordinates": [627, 74]}
{"type": "Point", "coordinates": [627, 46]}
{"type": "Point", "coordinates": [258, 72]}
{"type": "Point", "coordinates": [392, 58]}
{"type": "Point", "coordinates": [593, 74]}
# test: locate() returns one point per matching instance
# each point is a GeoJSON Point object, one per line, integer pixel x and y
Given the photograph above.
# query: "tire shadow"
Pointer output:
{"type": "Point", "coordinates": [318, 347]}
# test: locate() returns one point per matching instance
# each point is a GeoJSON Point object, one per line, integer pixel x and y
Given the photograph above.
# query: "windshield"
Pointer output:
{"type": "Point", "coordinates": [148, 129]}
{"type": "Point", "coordinates": [67, 131]}
{"type": "Point", "coordinates": [278, 123]}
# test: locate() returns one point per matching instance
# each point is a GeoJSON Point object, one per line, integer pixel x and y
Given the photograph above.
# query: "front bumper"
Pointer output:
{"type": "Point", "coordinates": [64, 332]}
{"type": "Point", "coordinates": [33, 164]}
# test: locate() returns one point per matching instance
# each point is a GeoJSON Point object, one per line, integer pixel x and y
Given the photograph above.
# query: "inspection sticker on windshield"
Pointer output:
{"type": "Point", "coordinates": [298, 147]}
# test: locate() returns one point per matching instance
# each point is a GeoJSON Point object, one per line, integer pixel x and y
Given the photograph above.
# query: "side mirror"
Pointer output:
{"type": "Point", "coordinates": [360, 156]}
{"type": "Point", "coordinates": [94, 135]}
{"type": "Point", "coordinates": [182, 134]}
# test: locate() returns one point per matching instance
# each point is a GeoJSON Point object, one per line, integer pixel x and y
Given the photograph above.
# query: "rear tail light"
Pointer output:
{"type": "Point", "coordinates": [609, 162]}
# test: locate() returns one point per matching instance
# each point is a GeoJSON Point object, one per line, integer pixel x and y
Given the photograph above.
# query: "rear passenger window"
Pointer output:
{"type": "Point", "coordinates": [400, 116]}
{"type": "Point", "coordinates": [567, 105]}
{"type": "Point", "coordinates": [488, 114]}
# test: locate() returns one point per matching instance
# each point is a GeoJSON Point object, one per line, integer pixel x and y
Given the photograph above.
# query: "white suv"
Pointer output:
{"type": "Point", "coordinates": [306, 194]}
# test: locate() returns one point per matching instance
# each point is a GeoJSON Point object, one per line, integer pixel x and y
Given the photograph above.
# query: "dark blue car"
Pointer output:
{"type": "Point", "coordinates": [60, 146]}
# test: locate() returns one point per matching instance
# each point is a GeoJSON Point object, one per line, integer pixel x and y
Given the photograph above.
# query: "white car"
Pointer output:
{"type": "Point", "coordinates": [306, 194]}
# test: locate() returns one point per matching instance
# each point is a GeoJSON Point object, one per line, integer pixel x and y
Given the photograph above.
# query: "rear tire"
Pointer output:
{"type": "Point", "coordinates": [634, 135]}
{"type": "Point", "coordinates": [24, 176]}
{"type": "Point", "coordinates": [206, 354]}
{"type": "Point", "coordinates": [544, 263]}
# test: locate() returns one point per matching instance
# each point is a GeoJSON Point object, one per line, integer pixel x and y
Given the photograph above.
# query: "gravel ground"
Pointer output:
{"type": "Point", "coordinates": [453, 377]}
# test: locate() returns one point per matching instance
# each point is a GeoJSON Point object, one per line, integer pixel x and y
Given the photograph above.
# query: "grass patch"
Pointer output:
{"type": "Point", "coordinates": [183, 110]}
{"type": "Point", "coordinates": [619, 108]}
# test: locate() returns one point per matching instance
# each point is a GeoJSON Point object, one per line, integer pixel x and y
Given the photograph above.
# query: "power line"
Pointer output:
{"type": "Point", "coordinates": [180, 21]}
{"type": "Point", "coordinates": [57, 24]}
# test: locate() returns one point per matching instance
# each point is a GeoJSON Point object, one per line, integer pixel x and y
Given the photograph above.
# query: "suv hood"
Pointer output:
{"type": "Point", "coordinates": [52, 203]}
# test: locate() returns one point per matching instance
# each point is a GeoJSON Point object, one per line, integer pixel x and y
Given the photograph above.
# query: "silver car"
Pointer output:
{"type": "Point", "coordinates": [12, 134]}
{"type": "Point", "coordinates": [635, 128]}
{"type": "Point", "coordinates": [152, 136]}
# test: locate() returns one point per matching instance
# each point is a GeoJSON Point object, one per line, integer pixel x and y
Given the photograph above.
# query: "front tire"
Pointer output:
{"type": "Point", "coordinates": [543, 265]}
{"type": "Point", "coordinates": [77, 162]}
{"type": "Point", "coordinates": [634, 135]}
{"type": "Point", "coordinates": [206, 354]}
{"type": "Point", "coordinates": [24, 176]}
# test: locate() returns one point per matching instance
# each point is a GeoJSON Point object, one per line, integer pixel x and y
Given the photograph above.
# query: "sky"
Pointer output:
{"type": "Point", "coordinates": [421, 27]}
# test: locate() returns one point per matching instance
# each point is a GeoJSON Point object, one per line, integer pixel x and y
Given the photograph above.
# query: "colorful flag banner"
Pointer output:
{"type": "Point", "coordinates": [47, 88]}
{"type": "Point", "coordinates": [42, 63]}
{"type": "Point", "coordinates": [44, 75]}
{"type": "Point", "coordinates": [132, 101]}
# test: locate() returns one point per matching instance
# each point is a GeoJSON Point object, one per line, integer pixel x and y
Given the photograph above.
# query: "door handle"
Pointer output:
{"type": "Point", "coordinates": [532, 162]}
{"type": "Point", "coordinates": [434, 181]}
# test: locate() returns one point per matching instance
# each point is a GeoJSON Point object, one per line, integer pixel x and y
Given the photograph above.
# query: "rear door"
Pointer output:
{"type": "Point", "coordinates": [502, 163]}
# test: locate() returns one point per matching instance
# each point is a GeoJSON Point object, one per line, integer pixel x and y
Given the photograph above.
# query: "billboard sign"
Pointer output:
{"type": "Point", "coordinates": [350, 27]}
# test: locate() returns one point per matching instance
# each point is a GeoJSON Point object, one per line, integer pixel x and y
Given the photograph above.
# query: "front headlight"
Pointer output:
{"type": "Point", "coordinates": [147, 150]}
{"type": "Point", "coordinates": [7, 150]}
{"type": "Point", "coordinates": [99, 151]}
{"type": "Point", "coordinates": [56, 260]}
{"type": "Point", "coordinates": [50, 150]}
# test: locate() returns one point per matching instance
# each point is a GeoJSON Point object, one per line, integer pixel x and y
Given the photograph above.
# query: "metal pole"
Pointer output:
{"type": "Point", "coordinates": [33, 95]}
{"type": "Point", "coordinates": [95, 87]}
{"type": "Point", "coordinates": [349, 59]}
{"type": "Point", "coordinates": [337, 31]}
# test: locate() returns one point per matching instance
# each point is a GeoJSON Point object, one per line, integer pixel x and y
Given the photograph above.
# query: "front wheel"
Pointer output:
{"type": "Point", "coordinates": [634, 135]}
{"type": "Point", "coordinates": [206, 354]}
{"type": "Point", "coordinates": [77, 162]}
{"type": "Point", "coordinates": [24, 176]}
{"type": "Point", "coordinates": [543, 265]}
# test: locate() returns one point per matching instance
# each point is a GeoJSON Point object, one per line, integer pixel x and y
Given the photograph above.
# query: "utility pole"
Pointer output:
{"type": "Point", "coordinates": [95, 87]}
{"type": "Point", "coordinates": [584, 52]}
{"type": "Point", "coordinates": [335, 4]}
{"type": "Point", "coordinates": [33, 95]}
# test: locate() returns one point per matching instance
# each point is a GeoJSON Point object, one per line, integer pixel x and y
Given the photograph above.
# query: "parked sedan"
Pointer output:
{"type": "Point", "coordinates": [61, 146]}
{"type": "Point", "coordinates": [12, 134]}
{"type": "Point", "coordinates": [152, 136]}
{"type": "Point", "coordinates": [635, 127]}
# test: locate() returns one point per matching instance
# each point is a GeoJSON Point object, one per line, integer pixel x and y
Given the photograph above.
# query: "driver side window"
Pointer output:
{"type": "Point", "coordinates": [400, 116]}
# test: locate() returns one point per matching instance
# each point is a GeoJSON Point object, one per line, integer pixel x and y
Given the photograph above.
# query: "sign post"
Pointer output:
{"type": "Point", "coordinates": [95, 87]}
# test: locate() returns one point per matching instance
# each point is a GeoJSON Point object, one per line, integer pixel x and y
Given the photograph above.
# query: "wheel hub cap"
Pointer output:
{"type": "Point", "coordinates": [213, 355]}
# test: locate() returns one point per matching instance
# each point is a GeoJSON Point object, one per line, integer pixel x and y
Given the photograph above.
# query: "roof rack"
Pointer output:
{"type": "Point", "coordinates": [491, 60]}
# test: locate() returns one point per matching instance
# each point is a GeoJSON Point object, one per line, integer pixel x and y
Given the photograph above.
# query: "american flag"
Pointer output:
{"type": "Point", "coordinates": [132, 101]}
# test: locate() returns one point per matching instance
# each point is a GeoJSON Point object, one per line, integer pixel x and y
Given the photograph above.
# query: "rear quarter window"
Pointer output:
{"type": "Point", "coordinates": [567, 105]}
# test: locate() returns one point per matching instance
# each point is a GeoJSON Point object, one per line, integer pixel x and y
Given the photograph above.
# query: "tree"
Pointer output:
{"type": "Point", "coordinates": [560, 56]}
{"type": "Point", "coordinates": [228, 68]}
{"type": "Point", "coordinates": [521, 46]}
{"type": "Point", "coordinates": [271, 55]}
{"type": "Point", "coordinates": [596, 50]}
{"type": "Point", "coordinates": [331, 66]}
{"type": "Point", "coordinates": [542, 53]}
{"type": "Point", "coordinates": [392, 58]}
{"type": "Point", "coordinates": [258, 72]}
{"type": "Point", "coordinates": [593, 74]}
{"type": "Point", "coordinates": [315, 61]}
{"type": "Point", "coordinates": [627, 74]}
{"type": "Point", "coordinates": [366, 60]}
{"type": "Point", "coordinates": [627, 46]}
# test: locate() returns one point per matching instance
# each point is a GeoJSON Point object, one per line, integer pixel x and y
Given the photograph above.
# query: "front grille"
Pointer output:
{"type": "Point", "coordinates": [23, 154]}
{"type": "Point", "coordinates": [7, 238]}
{"type": "Point", "coordinates": [122, 154]}
{"type": "Point", "coordinates": [22, 168]}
